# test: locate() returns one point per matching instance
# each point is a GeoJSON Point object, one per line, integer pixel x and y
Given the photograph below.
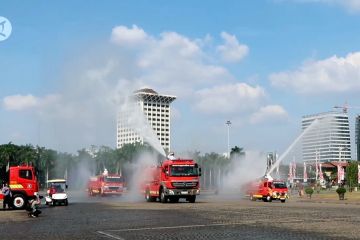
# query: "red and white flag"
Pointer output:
{"type": "Point", "coordinates": [341, 174]}
{"type": "Point", "coordinates": [294, 169]}
{"type": "Point", "coordinates": [305, 173]}
{"type": "Point", "coordinates": [321, 176]}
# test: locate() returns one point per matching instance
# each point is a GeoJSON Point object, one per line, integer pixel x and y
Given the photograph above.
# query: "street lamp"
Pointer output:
{"type": "Point", "coordinates": [228, 123]}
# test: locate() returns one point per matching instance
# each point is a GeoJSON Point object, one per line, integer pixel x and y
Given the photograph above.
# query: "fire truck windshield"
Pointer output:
{"type": "Point", "coordinates": [279, 185]}
{"type": "Point", "coordinates": [113, 179]}
{"type": "Point", "coordinates": [183, 170]}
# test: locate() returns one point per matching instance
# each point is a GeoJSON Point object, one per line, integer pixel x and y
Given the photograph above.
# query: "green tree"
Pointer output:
{"type": "Point", "coordinates": [237, 151]}
{"type": "Point", "coordinates": [352, 174]}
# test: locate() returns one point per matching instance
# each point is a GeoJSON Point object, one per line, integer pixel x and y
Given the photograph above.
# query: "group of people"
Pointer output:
{"type": "Point", "coordinates": [33, 203]}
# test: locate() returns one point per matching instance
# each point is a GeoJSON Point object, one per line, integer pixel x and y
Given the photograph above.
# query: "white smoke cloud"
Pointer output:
{"type": "Point", "coordinates": [331, 75]}
{"type": "Point", "coordinates": [244, 169]}
{"type": "Point", "coordinates": [139, 169]}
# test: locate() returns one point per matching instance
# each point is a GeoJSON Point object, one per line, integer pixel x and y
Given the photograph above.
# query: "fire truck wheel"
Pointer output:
{"type": "Point", "coordinates": [268, 198]}
{"type": "Point", "coordinates": [163, 198]}
{"type": "Point", "coordinates": [283, 201]}
{"type": "Point", "coordinates": [18, 201]}
{"type": "Point", "coordinates": [192, 199]}
{"type": "Point", "coordinates": [174, 199]}
{"type": "Point", "coordinates": [148, 198]}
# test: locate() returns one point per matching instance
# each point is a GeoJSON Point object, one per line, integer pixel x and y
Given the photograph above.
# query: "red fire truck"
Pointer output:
{"type": "Point", "coordinates": [23, 183]}
{"type": "Point", "coordinates": [106, 184]}
{"type": "Point", "coordinates": [172, 180]}
{"type": "Point", "coordinates": [268, 190]}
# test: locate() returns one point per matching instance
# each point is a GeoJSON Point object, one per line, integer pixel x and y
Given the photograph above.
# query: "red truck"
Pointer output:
{"type": "Point", "coordinates": [106, 184]}
{"type": "Point", "coordinates": [172, 180]}
{"type": "Point", "coordinates": [23, 183]}
{"type": "Point", "coordinates": [268, 190]}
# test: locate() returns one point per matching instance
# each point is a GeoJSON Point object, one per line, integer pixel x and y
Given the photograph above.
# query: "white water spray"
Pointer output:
{"type": "Point", "coordinates": [137, 168]}
{"type": "Point", "coordinates": [244, 169]}
{"type": "Point", "coordinates": [135, 120]}
{"type": "Point", "coordinates": [277, 163]}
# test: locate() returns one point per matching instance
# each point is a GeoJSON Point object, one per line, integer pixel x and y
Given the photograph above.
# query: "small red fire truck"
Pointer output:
{"type": "Point", "coordinates": [172, 180]}
{"type": "Point", "coordinates": [268, 190]}
{"type": "Point", "coordinates": [106, 184]}
{"type": "Point", "coordinates": [23, 184]}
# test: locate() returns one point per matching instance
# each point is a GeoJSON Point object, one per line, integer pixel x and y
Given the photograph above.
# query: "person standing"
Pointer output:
{"type": "Point", "coordinates": [7, 196]}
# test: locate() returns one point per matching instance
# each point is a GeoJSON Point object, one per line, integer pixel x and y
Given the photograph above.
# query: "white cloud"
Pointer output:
{"type": "Point", "coordinates": [84, 112]}
{"type": "Point", "coordinates": [229, 98]}
{"type": "Point", "coordinates": [24, 102]}
{"type": "Point", "coordinates": [232, 50]}
{"type": "Point", "coordinates": [128, 36]}
{"type": "Point", "coordinates": [350, 5]}
{"type": "Point", "coordinates": [20, 102]}
{"type": "Point", "coordinates": [269, 113]}
{"type": "Point", "coordinates": [178, 65]}
{"type": "Point", "coordinates": [332, 75]}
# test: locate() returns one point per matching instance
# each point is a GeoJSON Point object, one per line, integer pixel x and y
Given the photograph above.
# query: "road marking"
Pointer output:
{"type": "Point", "coordinates": [110, 235]}
{"type": "Point", "coordinates": [185, 226]}
{"type": "Point", "coordinates": [291, 220]}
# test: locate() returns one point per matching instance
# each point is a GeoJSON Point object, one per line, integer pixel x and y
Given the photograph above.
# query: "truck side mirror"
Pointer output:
{"type": "Point", "coordinates": [66, 186]}
{"type": "Point", "coordinates": [199, 172]}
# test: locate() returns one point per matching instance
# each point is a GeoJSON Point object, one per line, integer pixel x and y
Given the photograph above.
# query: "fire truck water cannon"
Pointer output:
{"type": "Point", "coordinates": [171, 180]}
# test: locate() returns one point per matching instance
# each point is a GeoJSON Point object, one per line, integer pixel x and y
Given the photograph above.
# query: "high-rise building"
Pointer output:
{"type": "Point", "coordinates": [329, 140]}
{"type": "Point", "coordinates": [156, 109]}
{"type": "Point", "coordinates": [357, 136]}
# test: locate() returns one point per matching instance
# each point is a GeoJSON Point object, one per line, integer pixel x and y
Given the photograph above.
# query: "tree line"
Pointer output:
{"type": "Point", "coordinates": [52, 164]}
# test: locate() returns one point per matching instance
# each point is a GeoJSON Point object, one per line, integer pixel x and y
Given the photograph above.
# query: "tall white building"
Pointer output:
{"type": "Point", "coordinates": [329, 140]}
{"type": "Point", "coordinates": [357, 136]}
{"type": "Point", "coordinates": [156, 109]}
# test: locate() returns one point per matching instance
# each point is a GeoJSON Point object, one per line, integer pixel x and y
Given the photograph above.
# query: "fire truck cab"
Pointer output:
{"type": "Point", "coordinates": [172, 180]}
{"type": "Point", "coordinates": [106, 184]}
{"type": "Point", "coordinates": [23, 183]}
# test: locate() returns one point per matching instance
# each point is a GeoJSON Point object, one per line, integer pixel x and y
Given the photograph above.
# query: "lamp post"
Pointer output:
{"type": "Point", "coordinates": [228, 123]}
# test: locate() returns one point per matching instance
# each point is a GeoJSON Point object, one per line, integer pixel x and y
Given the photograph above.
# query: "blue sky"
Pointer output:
{"type": "Point", "coordinates": [261, 64]}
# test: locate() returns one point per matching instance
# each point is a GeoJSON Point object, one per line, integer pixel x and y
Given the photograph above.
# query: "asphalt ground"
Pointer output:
{"type": "Point", "coordinates": [229, 216]}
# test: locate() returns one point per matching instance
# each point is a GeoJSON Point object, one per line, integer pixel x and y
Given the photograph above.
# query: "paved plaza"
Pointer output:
{"type": "Point", "coordinates": [211, 217]}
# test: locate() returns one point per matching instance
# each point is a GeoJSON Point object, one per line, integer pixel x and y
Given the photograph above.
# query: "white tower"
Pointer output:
{"type": "Point", "coordinates": [156, 109]}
